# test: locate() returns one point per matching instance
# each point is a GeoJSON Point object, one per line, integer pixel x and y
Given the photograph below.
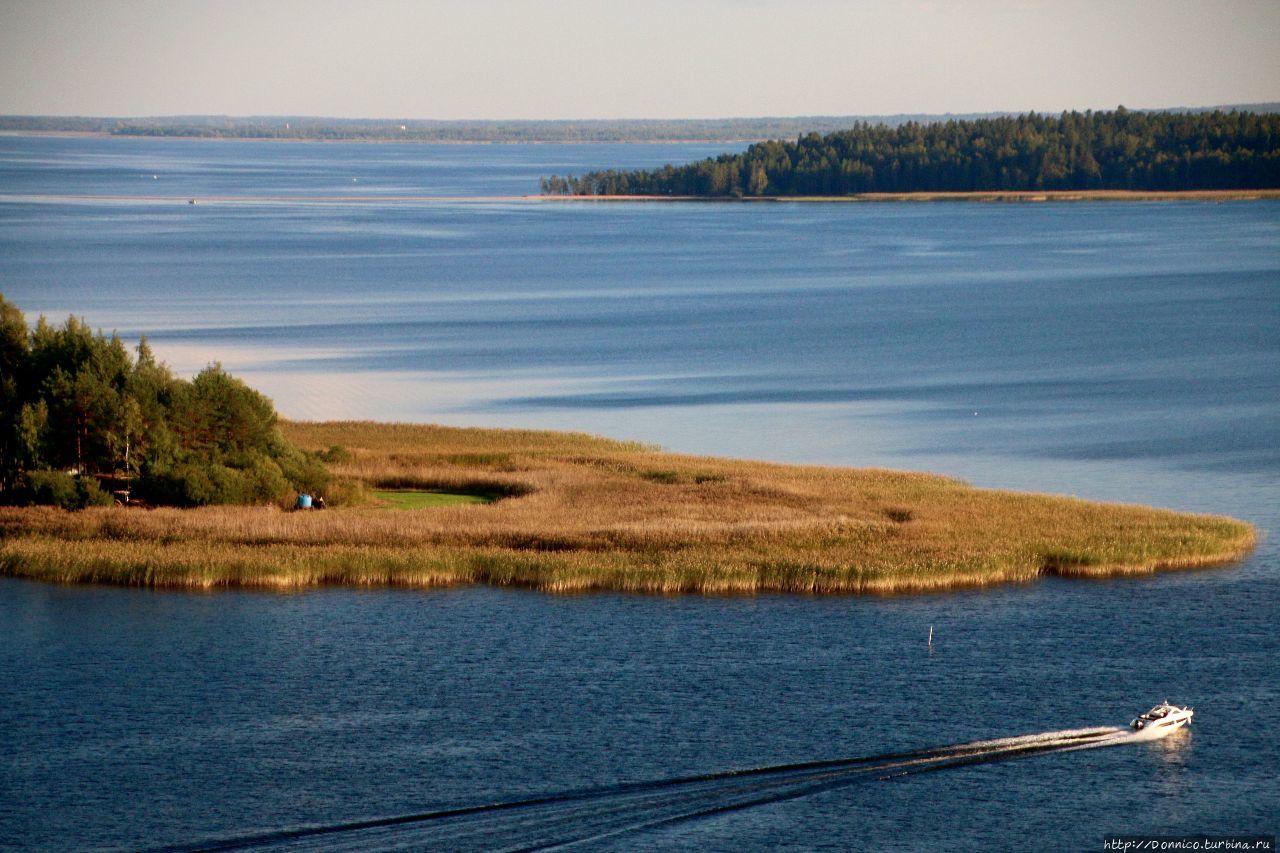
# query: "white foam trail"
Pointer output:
{"type": "Point", "coordinates": [573, 818]}
{"type": "Point", "coordinates": [1023, 740]}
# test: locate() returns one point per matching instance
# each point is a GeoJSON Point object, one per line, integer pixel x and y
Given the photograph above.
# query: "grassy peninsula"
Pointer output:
{"type": "Point", "coordinates": [576, 513]}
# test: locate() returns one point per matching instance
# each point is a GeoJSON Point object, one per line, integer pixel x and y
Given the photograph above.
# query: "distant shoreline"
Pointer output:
{"type": "Point", "coordinates": [1002, 197]}
{"type": "Point", "coordinates": [101, 134]}
{"type": "Point", "coordinates": [1021, 196]}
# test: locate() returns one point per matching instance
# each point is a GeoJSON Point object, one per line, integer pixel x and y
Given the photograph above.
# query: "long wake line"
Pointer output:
{"type": "Point", "coordinates": [587, 815]}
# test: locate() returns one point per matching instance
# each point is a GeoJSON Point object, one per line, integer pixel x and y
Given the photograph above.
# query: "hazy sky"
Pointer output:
{"type": "Point", "coordinates": [629, 58]}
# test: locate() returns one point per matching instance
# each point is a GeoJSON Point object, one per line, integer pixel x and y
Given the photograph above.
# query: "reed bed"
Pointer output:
{"type": "Point", "coordinates": [580, 513]}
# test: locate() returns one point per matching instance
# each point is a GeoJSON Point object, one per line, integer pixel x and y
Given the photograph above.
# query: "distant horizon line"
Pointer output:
{"type": "Point", "coordinates": [1254, 106]}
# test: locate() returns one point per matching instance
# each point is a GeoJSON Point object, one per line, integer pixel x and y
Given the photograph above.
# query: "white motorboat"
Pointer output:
{"type": "Point", "coordinates": [1161, 720]}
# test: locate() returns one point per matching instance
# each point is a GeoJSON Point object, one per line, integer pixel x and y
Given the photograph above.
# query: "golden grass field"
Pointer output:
{"type": "Point", "coordinates": [584, 513]}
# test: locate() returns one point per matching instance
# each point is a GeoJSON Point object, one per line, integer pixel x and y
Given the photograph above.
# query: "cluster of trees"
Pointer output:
{"type": "Point", "coordinates": [77, 407]}
{"type": "Point", "coordinates": [1119, 150]}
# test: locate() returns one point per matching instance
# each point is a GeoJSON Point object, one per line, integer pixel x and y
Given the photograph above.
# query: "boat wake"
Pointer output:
{"type": "Point", "coordinates": [567, 819]}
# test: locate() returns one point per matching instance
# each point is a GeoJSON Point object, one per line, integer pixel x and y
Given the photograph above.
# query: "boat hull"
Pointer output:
{"type": "Point", "coordinates": [1167, 725]}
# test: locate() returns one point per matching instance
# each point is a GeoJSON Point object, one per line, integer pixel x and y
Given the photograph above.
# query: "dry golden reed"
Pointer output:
{"type": "Point", "coordinates": [584, 513]}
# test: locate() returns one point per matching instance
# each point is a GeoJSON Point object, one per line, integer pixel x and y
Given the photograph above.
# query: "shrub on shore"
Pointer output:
{"type": "Point", "coordinates": [60, 489]}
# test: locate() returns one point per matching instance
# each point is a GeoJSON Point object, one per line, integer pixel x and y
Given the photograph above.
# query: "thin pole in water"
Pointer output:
{"type": "Point", "coordinates": [930, 636]}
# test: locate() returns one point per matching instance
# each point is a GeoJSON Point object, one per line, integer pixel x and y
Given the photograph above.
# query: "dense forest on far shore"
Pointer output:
{"type": "Point", "coordinates": [78, 412]}
{"type": "Point", "coordinates": [1114, 150]}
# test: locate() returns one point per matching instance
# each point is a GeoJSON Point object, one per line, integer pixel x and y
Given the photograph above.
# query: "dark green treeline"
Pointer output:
{"type": "Point", "coordinates": [1117, 150]}
{"type": "Point", "coordinates": [78, 410]}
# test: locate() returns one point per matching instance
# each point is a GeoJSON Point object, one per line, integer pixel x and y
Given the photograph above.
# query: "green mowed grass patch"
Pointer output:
{"type": "Point", "coordinates": [408, 499]}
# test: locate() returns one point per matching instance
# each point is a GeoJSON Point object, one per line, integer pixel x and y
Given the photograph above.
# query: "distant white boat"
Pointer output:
{"type": "Point", "coordinates": [1161, 720]}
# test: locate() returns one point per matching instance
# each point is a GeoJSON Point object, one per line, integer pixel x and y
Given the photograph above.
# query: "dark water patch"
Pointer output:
{"type": "Point", "coordinates": [965, 397]}
{"type": "Point", "coordinates": [635, 807]}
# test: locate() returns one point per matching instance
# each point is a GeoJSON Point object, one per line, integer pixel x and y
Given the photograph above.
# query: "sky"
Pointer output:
{"type": "Point", "coordinates": [580, 59]}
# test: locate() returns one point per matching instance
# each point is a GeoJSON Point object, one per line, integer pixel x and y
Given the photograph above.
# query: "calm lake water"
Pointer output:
{"type": "Point", "coordinates": [1115, 351]}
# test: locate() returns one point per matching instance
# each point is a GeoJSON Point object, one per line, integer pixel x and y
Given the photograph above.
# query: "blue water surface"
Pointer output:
{"type": "Point", "coordinates": [1119, 351]}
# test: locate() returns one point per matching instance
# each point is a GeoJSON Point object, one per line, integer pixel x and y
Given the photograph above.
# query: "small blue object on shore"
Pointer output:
{"type": "Point", "coordinates": [304, 501]}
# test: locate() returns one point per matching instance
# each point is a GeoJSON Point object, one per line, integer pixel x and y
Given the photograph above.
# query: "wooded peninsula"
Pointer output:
{"type": "Point", "coordinates": [115, 471]}
{"type": "Point", "coordinates": [1118, 150]}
